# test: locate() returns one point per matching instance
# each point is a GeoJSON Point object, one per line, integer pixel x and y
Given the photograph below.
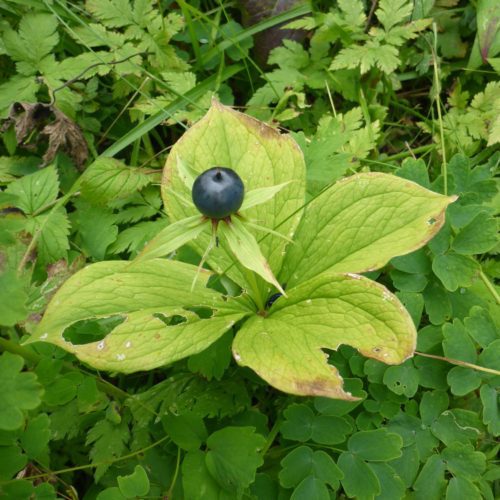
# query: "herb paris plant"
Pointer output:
{"type": "Point", "coordinates": [356, 226]}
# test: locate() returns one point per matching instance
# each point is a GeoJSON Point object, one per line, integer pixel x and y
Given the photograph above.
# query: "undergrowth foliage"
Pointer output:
{"type": "Point", "coordinates": [368, 146]}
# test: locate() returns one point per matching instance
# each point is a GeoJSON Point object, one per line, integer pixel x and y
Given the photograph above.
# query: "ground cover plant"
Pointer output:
{"type": "Point", "coordinates": [332, 333]}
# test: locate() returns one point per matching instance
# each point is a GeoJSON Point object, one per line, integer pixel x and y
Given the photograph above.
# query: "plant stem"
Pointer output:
{"type": "Point", "coordinates": [176, 474]}
{"type": "Point", "coordinates": [490, 286]}
{"type": "Point", "coordinates": [12, 347]}
{"type": "Point", "coordinates": [437, 84]}
{"type": "Point", "coordinates": [272, 436]}
{"type": "Point", "coordinates": [91, 466]}
{"type": "Point", "coordinates": [460, 363]}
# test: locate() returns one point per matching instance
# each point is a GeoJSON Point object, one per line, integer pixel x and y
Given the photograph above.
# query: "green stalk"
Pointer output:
{"type": "Point", "coordinates": [489, 285]}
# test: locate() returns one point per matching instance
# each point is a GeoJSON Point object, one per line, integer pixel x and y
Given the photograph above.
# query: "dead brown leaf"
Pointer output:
{"type": "Point", "coordinates": [33, 121]}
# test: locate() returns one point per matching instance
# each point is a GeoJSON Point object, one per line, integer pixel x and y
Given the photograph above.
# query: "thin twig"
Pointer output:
{"type": "Point", "coordinates": [458, 362]}
{"type": "Point", "coordinates": [489, 285]}
{"type": "Point", "coordinates": [370, 15]}
{"type": "Point", "coordinates": [79, 76]}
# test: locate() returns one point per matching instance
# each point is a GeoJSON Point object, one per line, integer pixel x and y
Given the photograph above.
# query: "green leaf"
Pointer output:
{"type": "Point", "coordinates": [134, 485]}
{"type": "Point", "coordinates": [108, 442]}
{"type": "Point", "coordinates": [455, 270]}
{"type": "Point", "coordinates": [134, 238]}
{"type": "Point", "coordinates": [378, 445]}
{"type": "Point", "coordinates": [487, 42]}
{"type": "Point", "coordinates": [437, 303]}
{"type": "Point", "coordinates": [302, 425]}
{"type": "Point", "coordinates": [408, 282]}
{"type": "Point", "coordinates": [462, 460]}
{"type": "Point", "coordinates": [187, 431]}
{"type": "Point", "coordinates": [263, 158]}
{"type": "Point", "coordinates": [213, 361]}
{"type": "Point", "coordinates": [96, 227]}
{"type": "Point", "coordinates": [432, 405]}
{"type": "Point", "coordinates": [35, 191]}
{"type": "Point", "coordinates": [391, 484]}
{"type": "Point", "coordinates": [18, 391]}
{"type": "Point", "coordinates": [402, 379]}
{"type": "Point", "coordinates": [416, 171]}
{"type": "Point", "coordinates": [18, 88]}
{"type": "Point", "coordinates": [234, 457]}
{"type": "Point", "coordinates": [35, 439]}
{"type": "Point", "coordinates": [53, 241]}
{"type": "Point", "coordinates": [197, 480]}
{"type": "Point", "coordinates": [359, 480]}
{"type": "Point", "coordinates": [449, 430]}
{"type": "Point", "coordinates": [149, 295]}
{"type": "Point", "coordinates": [173, 236]}
{"type": "Point", "coordinates": [491, 413]}
{"type": "Point", "coordinates": [35, 39]}
{"type": "Point", "coordinates": [407, 465]}
{"type": "Point", "coordinates": [186, 173]}
{"type": "Point", "coordinates": [246, 249]}
{"type": "Point", "coordinates": [463, 380]}
{"type": "Point", "coordinates": [112, 493]}
{"type": "Point", "coordinates": [457, 344]}
{"type": "Point", "coordinates": [303, 462]}
{"type": "Point", "coordinates": [108, 179]}
{"type": "Point", "coordinates": [430, 483]}
{"type": "Point", "coordinates": [361, 223]}
{"type": "Point", "coordinates": [13, 298]}
{"type": "Point", "coordinates": [481, 327]}
{"type": "Point", "coordinates": [371, 55]}
{"type": "Point", "coordinates": [12, 460]}
{"type": "Point", "coordinates": [325, 312]}
{"type": "Point", "coordinates": [62, 390]}
{"type": "Point", "coordinates": [261, 195]}
{"type": "Point", "coordinates": [479, 236]}
{"type": "Point", "coordinates": [311, 488]}
{"type": "Point", "coordinates": [461, 487]}
{"type": "Point", "coordinates": [113, 13]}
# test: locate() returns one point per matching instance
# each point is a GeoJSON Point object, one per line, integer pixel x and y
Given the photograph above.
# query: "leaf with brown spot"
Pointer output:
{"type": "Point", "coordinates": [328, 311]}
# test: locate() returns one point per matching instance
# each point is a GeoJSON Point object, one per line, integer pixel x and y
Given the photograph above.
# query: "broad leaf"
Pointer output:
{"type": "Point", "coordinates": [150, 296]}
{"type": "Point", "coordinates": [107, 179]}
{"type": "Point", "coordinates": [360, 223]}
{"type": "Point", "coordinates": [53, 241]}
{"type": "Point", "coordinates": [325, 312]}
{"type": "Point", "coordinates": [261, 156]}
{"type": "Point", "coordinates": [35, 191]}
{"type": "Point", "coordinates": [233, 457]}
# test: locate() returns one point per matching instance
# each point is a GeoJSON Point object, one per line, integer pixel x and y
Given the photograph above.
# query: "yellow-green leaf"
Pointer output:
{"type": "Point", "coordinates": [330, 310]}
{"type": "Point", "coordinates": [172, 237]}
{"type": "Point", "coordinates": [145, 295]}
{"type": "Point", "coordinates": [261, 156]}
{"type": "Point", "coordinates": [362, 222]}
{"type": "Point", "coordinates": [246, 249]}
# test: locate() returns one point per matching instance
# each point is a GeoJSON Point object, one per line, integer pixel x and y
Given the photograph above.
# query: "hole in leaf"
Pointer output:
{"type": "Point", "coordinates": [173, 320]}
{"type": "Point", "coordinates": [201, 312]}
{"type": "Point", "coordinates": [91, 330]}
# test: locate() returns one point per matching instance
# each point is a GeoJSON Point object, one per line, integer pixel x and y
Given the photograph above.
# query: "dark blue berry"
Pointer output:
{"type": "Point", "coordinates": [218, 192]}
